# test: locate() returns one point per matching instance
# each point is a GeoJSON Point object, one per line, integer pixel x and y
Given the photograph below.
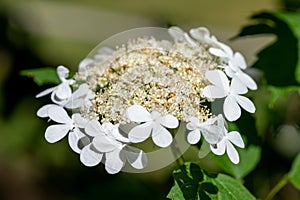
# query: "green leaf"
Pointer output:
{"type": "Point", "coordinates": [42, 76]}
{"type": "Point", "coordinates": [294, 174]}
{"type": "Point", "coordinates": [280, 60]}
{"type": "Point", "coordinates": [192, 183]}
{"type": "Point", "coordinates": [249, 158]}
{"type": "Point", "coordinates": [278, 92]}
{"type": "Point", "coordinates": [230, 189]}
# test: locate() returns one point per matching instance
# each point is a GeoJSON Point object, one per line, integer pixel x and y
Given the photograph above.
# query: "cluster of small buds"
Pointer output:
{"type": "Point", "coordinates": [153, 85]}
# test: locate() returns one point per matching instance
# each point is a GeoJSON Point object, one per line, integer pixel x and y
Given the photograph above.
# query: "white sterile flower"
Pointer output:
{"type": "Point", "coordinates": [152, 124]}
{"type": "Point", "coordinates": [226, 144]}
{"type": "Point", "coordinates": [84, 64]}
{"type": "Point", "coordinates": [209, 129]}
{"type": "Point", "coordinates": [107, 141]}
{"type": "Point", "coordinates": [81, 96]}
{"type": "Point", "coordinates": [235, 64]}
{"type": "Point", "coordinates": [43, 111]}
{"type": "Point", "coordinates": [221, 88]}
{"type": "Point", "coordinates": [179, 35]}
{"type": "Point", "coordinates": [202, 34]}
{"type": "Point", "coordinates": [62, 92]}
{"type": "Point", "coordinates": [56, 132]}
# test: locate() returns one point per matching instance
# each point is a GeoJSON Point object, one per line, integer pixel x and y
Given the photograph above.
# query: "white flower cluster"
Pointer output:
{"type": "Point", "coordinates": [83, 106]}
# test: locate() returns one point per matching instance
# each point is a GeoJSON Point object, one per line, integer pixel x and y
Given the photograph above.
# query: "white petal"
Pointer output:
{"type": "Point", "coordinates": [218, 78]}
{"type": "Point", "coordinates": [105, 144]}
{"type": "Point", "coordinates": [212, 91]}
{"type": "Point", "coordinates": [232, 153]}
{"type": "Point", "coordinates": [247, 80]}
{"type": "Point", "coordinates": [84, 64]}
{"type": "Point", "coordinates": [137, 113]}
{"type": "Point", "coordinates": [136, 157]}
{"type": "Point", "coordinates": [81, 92]}
{"type": "Point", "coordinates": [169, 121]}
{"type": "Point", "coordinates": [73, 139]}
{"type": "Point", "coordinates": [245, 103]}
{"type": "Point", "coordinates": [114, 161]}
{"type": "Point", "coordinates": [74, 103]}
{"type": "Point", "coordinates": [235, 138]}
{"type": "Point", "coordinates": [140, 133]}
{"type": "Point", "coordinates": [217, 52]}
{"type": "Point", "coordinates": [54, 133]}
{"type": "Point", "coordinates": [194, 136]}
{"type": "Point", "coordinates": [62, 72]}
{"type": "Point", "coordinates": [200, 33]}
{"type": "Point", "coordinates": [237, 87]}
{"type": "Point", "coordinates": [240, 60]}
{"type": "Point", "coordinates": [93, 128]}
{"type": "Point", "coordinates": [45, 92]}
{"type": "Point", "coordinates": [227, 50]}
{"type": "Point", "coordinates": [79, 121]}
{"type": "Point", "coordinates": [58, 114]}
{"type": "Point", "coordinates": [229, 72]}
{"type": "Point", "coordinates": [43, 111]}
{"type": "Point", "coordinates": [63, 91]}
{"type": "Point", "coordinates": [193, 124]}
{"type": "Point", "coordinates": [89, 157]}
{"type": "Point", "coordinates": [161, 136]}
{"type": "Point", "coordinates": [231, 109]}
{"type": "Point", "coordinates": [211, 133]}
{"type": "Point", "coordinates": [176, 33]}
{"type": "Point", "coordinates": [219, 149]}
{"type": "Point", "coordinates": [189, 40]}
{"type": "Point", "coordinates": [118, 136]}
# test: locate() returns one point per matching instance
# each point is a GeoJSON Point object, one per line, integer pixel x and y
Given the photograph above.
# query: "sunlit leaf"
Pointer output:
{"type": "Point", "coordinates": [42, 76]}
{"type": "Point", "coordinates": [294, 174]}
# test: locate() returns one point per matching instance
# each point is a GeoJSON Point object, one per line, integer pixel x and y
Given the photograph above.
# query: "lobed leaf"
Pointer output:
{"type": "Point", "coordinates": [42, 76]}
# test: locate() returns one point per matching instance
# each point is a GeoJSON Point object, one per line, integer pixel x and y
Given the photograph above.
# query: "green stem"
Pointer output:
{"type": "Point", "coordinates": [175, 148]}
{"type": "Point", "coordinates": [283, 181]}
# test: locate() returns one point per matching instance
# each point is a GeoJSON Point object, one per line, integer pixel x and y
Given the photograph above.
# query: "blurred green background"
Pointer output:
{"type": "Point", "coordinates": [40, 33]}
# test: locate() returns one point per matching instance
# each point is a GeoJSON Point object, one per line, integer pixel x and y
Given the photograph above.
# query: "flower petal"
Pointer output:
{"type": "Point", "coordinates": [217, 52]}
{"type": "Point", "coordinates": [169, 121]}
{"type": "Point", "coordinates": [211, 133]}
{"type": "Point", "coordinates": [79, 121]}
{"type": "Point", "coordinates": [232, 153]}
{"type": "Point", "coordinates": [137, 113]}
{"type": "Point", "coordinates": [114, 161]}
{"type": "Point", "coordinates": [194, 136]}
{"type": "Point", "coordinates": [219, 148]}
{"type": "Point", "coordinates": [218, 78]}
{"type": "Point", "coordinates": [140, 133]}
{"type": "Point", "coordinates": [117, 135]}
{"type": "Point", "coordinates": [245, 103]}
{"type": "Point", "coordinates": [84, 64]}
{"type": "Point", "coordinates": [176, 33]}
{"type": "Point", "coordinates": [58, 114]}
{"type": "Point", "coordinates": [237, 87]}
{"type": "Point", "coordinates": [54, 133]}
{"type": "Point", "coordinates": [62, 72]}
{"type": "Point", "coordinates": [239, 60]}
{"type": "Point", "coordinates": [73, 139]}
{"type": "Point", "coordinates": [45, 92]}
{"type": "Point", "coordinates": [105, 144]}
{"type": "Point", "coordinates": [193, 124]}
{"type": "Point", "coordinates": [93, 128]}
{"type": "Point", "coordinates": [231, 109]}
{"type": "Point", "coordinates": [247, 80]}
{"type": "Point", "coordinates": [89, 157]}
{"type": "Point", "coordinates": [43, 111]}
{"type": "Point", "coordinates": [200, 33]}
{"type": "Point", "coordinates": [136, 157]}
{"type": "Point", "coordinates": [213, 92]}
{"type": "Point", "coordinates": [161, 136]}
{"type": "Point", "coordinates": [62, 92]}
{"type": "Point", "coordinates": [235, 138]}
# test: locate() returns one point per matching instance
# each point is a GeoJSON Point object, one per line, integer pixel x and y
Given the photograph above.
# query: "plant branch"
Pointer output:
{"type": "Point", "coordinates": [283, 181]}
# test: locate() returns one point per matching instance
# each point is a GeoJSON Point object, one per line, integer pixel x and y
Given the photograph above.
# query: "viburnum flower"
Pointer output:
{"type": "Point", "coordinates": [104, 143]}
{"type": "Point", "coordinates": [67, 125]}
{"type": "Point", "coordinates": [145, 88]}
{"type": "Point", "coordinates": [235, 64]}
{"type": "Point", "coordinates": [152, 124]}
{"type": "Point", "coordinates": [226, 145]}
{"type": "Point", "coordinates": [231, 91]}
{"type": "Point", "coordinates": [209, 129]}
{"type": "Point", "coordinates": [60, 94]}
